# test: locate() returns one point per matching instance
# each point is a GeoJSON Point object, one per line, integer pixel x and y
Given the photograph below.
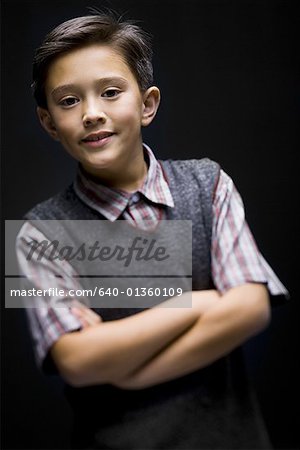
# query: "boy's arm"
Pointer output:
{"type": "Point", "coordinates": [240, 313]}
{"type": "Point", "coordinates": [110, 351]}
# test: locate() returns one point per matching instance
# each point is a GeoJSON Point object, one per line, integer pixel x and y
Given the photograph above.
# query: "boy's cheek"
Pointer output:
{"type": "Point", "coordinates": [66, 127]}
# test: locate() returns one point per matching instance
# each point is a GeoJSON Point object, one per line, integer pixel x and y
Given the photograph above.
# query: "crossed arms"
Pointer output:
{"type": "Point", "coordinates": [161, 343]}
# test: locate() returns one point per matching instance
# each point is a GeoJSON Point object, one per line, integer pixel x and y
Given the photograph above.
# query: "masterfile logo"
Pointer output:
{"type": "Point", "coordinates": [111, 264]}
{"type": "Point", "coordinates": [141, 249]}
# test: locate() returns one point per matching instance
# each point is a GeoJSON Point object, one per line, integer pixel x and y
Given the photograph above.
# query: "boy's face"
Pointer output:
{"type": "Point", "coordinates": [96, 109]}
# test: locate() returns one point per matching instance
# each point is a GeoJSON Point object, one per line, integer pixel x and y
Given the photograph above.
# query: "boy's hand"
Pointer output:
{"type": "Point", "coordinates": [87, 317]}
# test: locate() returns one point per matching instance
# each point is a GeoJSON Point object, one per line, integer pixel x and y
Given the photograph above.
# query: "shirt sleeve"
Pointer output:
{"type": "Point", "coordinates": [49, 317]}
{"type": "Point", "coordinates": [235, 257]}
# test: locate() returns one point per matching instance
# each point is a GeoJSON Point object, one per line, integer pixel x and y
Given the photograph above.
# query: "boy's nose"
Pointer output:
{"type": "Point", "coordinates": [92, 116]}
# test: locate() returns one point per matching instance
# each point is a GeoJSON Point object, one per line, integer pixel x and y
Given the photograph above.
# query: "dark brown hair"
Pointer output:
{"type": "Point", "coordinates": [128, 39]}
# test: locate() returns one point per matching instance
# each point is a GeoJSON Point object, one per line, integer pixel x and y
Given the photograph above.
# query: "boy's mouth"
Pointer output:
{"type": "Point", "coordinates": [94, 137]}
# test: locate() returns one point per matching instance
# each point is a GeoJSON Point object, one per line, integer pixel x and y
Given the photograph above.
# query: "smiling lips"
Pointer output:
{"type": "Point", "coordinates": [97, 140]}
{"type": "Point", "coordinates": [94, 137]}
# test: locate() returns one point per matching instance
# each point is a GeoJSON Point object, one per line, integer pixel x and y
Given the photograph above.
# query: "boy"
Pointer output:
{"type": "Point", "coordinates": [164, 377]}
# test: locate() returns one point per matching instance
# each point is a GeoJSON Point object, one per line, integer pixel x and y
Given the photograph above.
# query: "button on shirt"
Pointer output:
{"type": "Point", "coordinates": [235, 258]}
{"type": "Point", "coordinates": [134, 199]}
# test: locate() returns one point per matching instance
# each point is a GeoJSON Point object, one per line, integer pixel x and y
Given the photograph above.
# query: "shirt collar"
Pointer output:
{"type": "Point", "coordinates": [112, 202]}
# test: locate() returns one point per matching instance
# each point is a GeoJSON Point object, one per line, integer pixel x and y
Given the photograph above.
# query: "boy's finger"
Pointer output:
{"type": "Point", "coordinates": [91, 315]}
{"type": "Point", "coordinates": [87, 316]}
{"type": "Point", "coordinates": [85, 321]}
{"type": "Point", "coordinates": [86, 311]}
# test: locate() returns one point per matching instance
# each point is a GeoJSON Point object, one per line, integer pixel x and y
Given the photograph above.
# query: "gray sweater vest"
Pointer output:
{"type": "Point", "coordinates": [211, 408]}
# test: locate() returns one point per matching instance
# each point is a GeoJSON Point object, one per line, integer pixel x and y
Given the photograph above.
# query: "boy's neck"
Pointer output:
{"type": "Point", "coordinates": [126, 180]}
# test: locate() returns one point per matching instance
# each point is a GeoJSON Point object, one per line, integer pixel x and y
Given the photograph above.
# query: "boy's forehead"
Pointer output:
{"type": "Point", "coordinates": [93, 62]}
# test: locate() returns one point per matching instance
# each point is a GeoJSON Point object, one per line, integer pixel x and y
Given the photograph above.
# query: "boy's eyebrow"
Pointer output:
{"type": "Point", "coordinates": [102, 81]}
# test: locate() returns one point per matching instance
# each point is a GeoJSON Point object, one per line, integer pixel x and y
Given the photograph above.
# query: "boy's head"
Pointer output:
{"type": "Point", "coordinates": [127, 39]}
{"type": "Point", "coordinates": [93, 85]}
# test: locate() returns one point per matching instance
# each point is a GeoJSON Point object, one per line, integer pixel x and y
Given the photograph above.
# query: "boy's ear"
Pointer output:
{"type": "Point", "coordinates": [151, 100]}
{"type": "Point", "coordinates": [47, 122]}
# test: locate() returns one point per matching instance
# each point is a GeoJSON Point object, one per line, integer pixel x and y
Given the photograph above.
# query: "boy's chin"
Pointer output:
{"type": "Point", "coordinates": [95, 167]}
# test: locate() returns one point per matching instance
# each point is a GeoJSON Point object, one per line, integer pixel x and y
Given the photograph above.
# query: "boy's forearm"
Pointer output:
{"type": "Point", "coordinates": [112, 350]}
{"type": "Point", "coordinates": [240, 314]}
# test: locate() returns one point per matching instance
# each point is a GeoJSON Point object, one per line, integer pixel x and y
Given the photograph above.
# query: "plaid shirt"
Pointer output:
{"type": "Point", "coordinates": [235, 258]}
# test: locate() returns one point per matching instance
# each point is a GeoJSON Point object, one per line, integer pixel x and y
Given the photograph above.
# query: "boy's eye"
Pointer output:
{"type": "Point", "coordinates": [111, 93]}
{"type": "Point", "coordinates": [68, 101]}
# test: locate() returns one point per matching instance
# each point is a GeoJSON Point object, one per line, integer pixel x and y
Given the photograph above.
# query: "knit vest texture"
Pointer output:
{"type": "Point", "coordinates": [212, 408]}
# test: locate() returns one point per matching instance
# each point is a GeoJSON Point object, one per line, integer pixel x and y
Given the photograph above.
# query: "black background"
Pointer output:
{"type": "Point", "coordinates": [230, 90]}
